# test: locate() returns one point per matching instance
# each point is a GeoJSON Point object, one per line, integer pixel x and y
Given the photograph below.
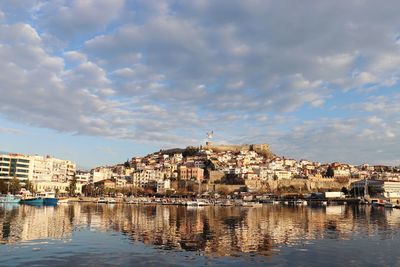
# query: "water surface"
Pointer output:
{"type": "Point", "coordinates": [139, 235]}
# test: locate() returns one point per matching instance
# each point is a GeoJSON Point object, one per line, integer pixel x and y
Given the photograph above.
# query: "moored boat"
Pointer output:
{"type": "Point", "coordinates": [301, 202]}
{"type": "Point", "coordinates": [9, 199]}
{"type": "Point", "coordinates": [389, 205]}
{"type": "Point", "coordinates": [203, 202]}
{"type": "Point", "coordinates": [63, 200]}
{"type": "Point", "coordinates": [34, 201]}
{"type": "Point", "coordinates": [191, 203]}
{"type": "Point", "coordinates": [101, 200]}
{"type": "Point", "coordinates": [49, 198]}
{"type": "Point", "coordinates": [111, 200]}
{"type": "Point", "coordinates": [247, 204]}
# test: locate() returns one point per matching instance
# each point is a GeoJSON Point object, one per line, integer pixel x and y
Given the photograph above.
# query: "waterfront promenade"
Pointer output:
{"type": "Point", "coordinates": [88, 234]}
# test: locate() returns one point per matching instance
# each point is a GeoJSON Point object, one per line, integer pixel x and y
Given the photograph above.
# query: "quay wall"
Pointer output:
{"type": "Point", "coordinates": [296, 185]}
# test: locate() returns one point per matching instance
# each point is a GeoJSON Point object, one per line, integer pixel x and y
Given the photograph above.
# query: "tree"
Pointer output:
{"type": "Point", "coordinates": [29, 186]}
{"type": "Point", "coordinates": [344, 190]}
{"type": "Point", "coordinates": [127, 164]}
{"type": "Point", "coordinates": [15, 186]}
{"type": "Point", "coordinates": [190, 151]}
{"type": "Point", "coordinates": [88, 190]}
{"type": "Point", "coordinates": [72, 186]}
{"type": "Point", "coordinates": [149, 191]}
{"type": "Point", "coordinates": [3, 187]}
{"type": "Point", "coordinates": [330, 172]}
{"type": "Point", "coordinates": [57, 192]}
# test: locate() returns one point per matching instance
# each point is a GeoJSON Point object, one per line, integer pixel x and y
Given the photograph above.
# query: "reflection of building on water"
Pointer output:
{"type": "Point", "coordinates": [214, 230]}
{"type": "Point", "coordinates": [232, 230]}
{"type": "Point", "coordinates": [46, 222]}
{"type": "Point", "coordinates": [24, 223]}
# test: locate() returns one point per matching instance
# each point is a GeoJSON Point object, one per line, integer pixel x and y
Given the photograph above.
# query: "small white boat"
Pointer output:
{"type": "Point", "coordinates": [247, 204]}
{"type": "Point", "coordinates": [301, 202]}
{"type": "Point", "coordinates": [324, 203]}
{"type": "Point", "coordinates": [63, 200]}
{"type": "Point", "coordinates": [227, 203]}
{"type": "Point", "coordinates": [191, 203]}
{"type": "Point", "coordinates": [389, 205]}
{"type": "Point", "coordinates": [101, 200]}
{"type": "Point", "coordinates": [203, 202]}
{"type": "Point", "coordinates": [111, 200]}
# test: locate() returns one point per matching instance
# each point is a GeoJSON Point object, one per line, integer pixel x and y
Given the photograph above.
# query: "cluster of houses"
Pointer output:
{"type": "Point", "coordinates": [204, 168]}
{"type": "Point", "coordinates": [192, 169]}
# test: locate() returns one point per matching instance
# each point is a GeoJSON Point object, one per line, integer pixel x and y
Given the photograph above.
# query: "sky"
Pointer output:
{"type": "Point", "coordinates": [100, 81]}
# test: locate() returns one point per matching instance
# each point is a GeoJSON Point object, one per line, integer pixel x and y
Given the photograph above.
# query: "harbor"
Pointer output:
{"type": "Point", "coordinates": [119, 234]}
{"type": "Point", "coordinates": [49, 199]}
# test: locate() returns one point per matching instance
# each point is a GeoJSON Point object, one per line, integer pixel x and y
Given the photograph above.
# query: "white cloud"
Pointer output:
{"type": "Point", "coordinates": [11, 131]}
{"type": "Point", "coordinates": [67, 19]}
{"type": "Point", "coordinates": [75, 56]}
{"type": "Point", "coordinates": [163, 71]}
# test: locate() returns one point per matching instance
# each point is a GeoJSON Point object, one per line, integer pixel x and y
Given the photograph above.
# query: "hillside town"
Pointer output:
{"type": "Point", "coordinates": [204, 170]}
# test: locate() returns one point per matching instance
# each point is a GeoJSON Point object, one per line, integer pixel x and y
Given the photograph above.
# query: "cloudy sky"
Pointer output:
{"type": "Point", "coordinates": [98, 81]}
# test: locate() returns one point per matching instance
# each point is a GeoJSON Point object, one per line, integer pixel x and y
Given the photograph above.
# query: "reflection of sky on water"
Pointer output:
{"type": "Point", "coordinates": [219, 234]}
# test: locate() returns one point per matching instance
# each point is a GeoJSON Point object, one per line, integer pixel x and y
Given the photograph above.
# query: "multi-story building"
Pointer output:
{"type": "Point", "coordinates": [52, 169]}
{"type": "Point", "coordinates": [191, 173]}
{"type": "Point", "coordinates": [143, 178]}
{"type": "Point", "coordinates": [282, 174]}
{"type": "Point", "coordinates": [36, 168]}
{"type": "Point", "coordinates": [163, 185]}
{"type": "Point", "coordinates": [82, 177]}
{"type": "Point", "coordinates": [15, 165]}
{"type": "Point", "coordinates": [100, 174]}
{"type": "Point", "coordinates": [58, 187]}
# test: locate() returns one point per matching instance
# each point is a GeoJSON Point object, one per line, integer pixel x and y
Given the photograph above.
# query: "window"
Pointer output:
{"type": "Point", "coordinates": [22, 165]}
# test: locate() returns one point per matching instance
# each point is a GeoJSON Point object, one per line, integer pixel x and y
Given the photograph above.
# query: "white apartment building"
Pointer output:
{"type": "Point", "coordinates": [163, 185]}
{"type": "Point", "coordinates": [82, 177]}
{"type": "Point", "coordinates": [142, 178]}
{"type": "Point", "coordinates": [52, 169]}
{"type": "Point", "coordinates": [53, 186]}
{"type": "Point", "coordinates": [100, 174]}
{"type": "Point", "coordinates": [35, 168]}
{"type": "Point", "coordinates": [283, 174]}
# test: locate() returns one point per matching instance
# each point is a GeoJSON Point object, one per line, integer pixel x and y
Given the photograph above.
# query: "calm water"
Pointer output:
{"type": "Point", "coordinates": [133, 235]}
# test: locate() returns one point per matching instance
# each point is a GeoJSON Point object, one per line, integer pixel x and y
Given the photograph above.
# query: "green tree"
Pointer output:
{"type": "Point", "coordinates": [72, 187]}
{"type": "Point", "coordinates": [3, 187]}
{"type": "Point", "coordinates": [29, 186]}
{"type": "Point", "coordinates": [15, 186]}
{"type": "Point", "coordinates": [190, 151]}
{"type": "Point", "coordinates": [57, 192]}
{"type": "Point", "coordinates": [88, 190]}
{"type": "Point", "coordinates": [127, 164]}
{"type": "Point", "coordinates": [344, 190]}
{"type": "Point", "coordinates": [330, 172]}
